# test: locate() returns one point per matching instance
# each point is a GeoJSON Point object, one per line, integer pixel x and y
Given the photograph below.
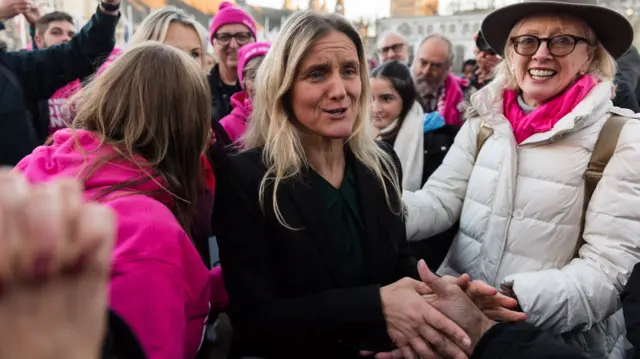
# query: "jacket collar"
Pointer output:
{"type": "Point", "coordinates": [307, 203]}
{"type": "Point", "coordinates": [488, 103]}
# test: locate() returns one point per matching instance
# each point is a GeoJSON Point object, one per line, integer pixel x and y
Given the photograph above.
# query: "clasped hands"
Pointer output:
{"type": "Point", "coordinates": [441, 317]}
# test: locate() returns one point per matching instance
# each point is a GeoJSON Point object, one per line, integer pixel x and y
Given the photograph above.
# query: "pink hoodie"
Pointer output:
{"type": "Point", "coordinates": [159, 284]}
{"type": "Point", "coordinates": [235, 123]}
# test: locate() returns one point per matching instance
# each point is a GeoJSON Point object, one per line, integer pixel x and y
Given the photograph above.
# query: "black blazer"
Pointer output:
{"type": "Point", "coordinates": [286, 297]}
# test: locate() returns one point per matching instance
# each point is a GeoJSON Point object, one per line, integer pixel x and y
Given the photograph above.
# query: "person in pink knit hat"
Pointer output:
{"type": "Point", "coordinates": [249, 59]}
{"type": "Point", "coordinates": [231, 28]}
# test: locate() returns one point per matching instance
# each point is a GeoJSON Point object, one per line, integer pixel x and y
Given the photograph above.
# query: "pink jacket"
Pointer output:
{"type": "Point", "coordinates": [235, 123]}
{"type": "Point", "coordinates": [159, 284]}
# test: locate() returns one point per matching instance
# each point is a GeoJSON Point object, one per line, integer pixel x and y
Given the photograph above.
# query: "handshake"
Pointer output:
{"type": "Point", "coordinates": [441, 317]}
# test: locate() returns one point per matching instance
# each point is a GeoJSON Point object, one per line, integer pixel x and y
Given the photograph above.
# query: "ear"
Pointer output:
{"type": "Point", "coordinates": [39, 39]}
{"type": "Point", "coordinates": [590, 56]}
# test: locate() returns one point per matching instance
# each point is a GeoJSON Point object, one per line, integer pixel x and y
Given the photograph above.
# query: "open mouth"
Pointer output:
{"type": "Point", "coordinates": [337, 111]}
{"type": "Point", "coordinates": [541, 74]}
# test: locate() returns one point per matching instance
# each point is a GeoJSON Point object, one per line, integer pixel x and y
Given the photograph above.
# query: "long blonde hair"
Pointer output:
{"type": "Point", "coordinates": [132, 109]}
{"type": "Point", "coordinates": [272, 121]}
{"type": "Point", "coordinates": [155, 26]}
{"type": "Point", "coordinates": [603, 66]}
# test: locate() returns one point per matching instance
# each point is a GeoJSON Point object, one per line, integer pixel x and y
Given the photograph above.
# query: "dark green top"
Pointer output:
{"type": "Point", "coordinates": [344, 224]}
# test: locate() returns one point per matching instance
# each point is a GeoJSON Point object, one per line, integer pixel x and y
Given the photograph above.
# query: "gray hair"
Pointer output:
{"type": "Point", "coordinates": [395, 33]}
{"type": "Point", "coordinates": [439, 37]}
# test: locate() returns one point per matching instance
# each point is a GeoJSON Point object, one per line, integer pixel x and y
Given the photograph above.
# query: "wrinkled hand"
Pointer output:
{"type": "Point", "coordinates": [453, 302]}
{"type": "Point", "coordinates": [32, 15]}
{"type": "Point", "coordinates": [495, 305]}
{"type": "Point", "coordinates": [55, 255]}
{"type": "Point", "coordinates": [415, 326]}
{"type": "Point", "coordinates": [11, 8]}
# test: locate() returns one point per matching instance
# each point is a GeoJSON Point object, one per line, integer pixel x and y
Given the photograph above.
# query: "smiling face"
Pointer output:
{"type": "Point", "coordinates": [386, 101]}
{"type": "Point", "coordinates": [541, 76]}
{"type": "Point", "coordinates": [327, 88]}
{"type": "Point", "coordinates": [227, 40]}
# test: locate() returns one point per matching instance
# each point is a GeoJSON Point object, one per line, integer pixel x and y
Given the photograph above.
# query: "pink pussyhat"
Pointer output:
{"type": "Point", "coordinates": [248, 52]}
{"type": "Point", "coordinates": [227, 14]}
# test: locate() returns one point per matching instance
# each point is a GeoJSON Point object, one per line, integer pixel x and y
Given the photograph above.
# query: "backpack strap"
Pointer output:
{"type": "Point", "coordinates": [602, 152]}
{"type": "Point", "coordinates": [483, 133]}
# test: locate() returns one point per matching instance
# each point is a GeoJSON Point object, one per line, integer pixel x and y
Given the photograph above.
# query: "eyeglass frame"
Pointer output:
{"type": "Point", "coordinates": [397, 47]}
{"type": "Point", "coordinates": [548, 41]}
{"type": "Point", "coordinates": [233, 35]}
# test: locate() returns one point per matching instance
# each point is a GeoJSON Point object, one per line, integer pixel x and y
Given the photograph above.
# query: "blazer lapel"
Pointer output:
{"type": "Point", "coordinates": [311, 212]}
{"type": "Point", "coordinates": [369, 195]}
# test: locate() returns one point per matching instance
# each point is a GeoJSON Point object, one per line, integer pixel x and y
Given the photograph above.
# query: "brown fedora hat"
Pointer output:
{"type": "Point", "coordinates": [612, 29]}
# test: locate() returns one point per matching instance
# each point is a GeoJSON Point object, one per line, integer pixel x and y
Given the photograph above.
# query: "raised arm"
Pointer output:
{"type": "Point", "coordinates": [42, 72]}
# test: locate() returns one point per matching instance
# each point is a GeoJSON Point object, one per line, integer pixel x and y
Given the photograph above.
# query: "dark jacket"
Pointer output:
{"type": "Point", "coordinates": [29, 76]}
{"type": "Point", "coordinates": [120, 342]}
{"type": "Point", "coordinates": [220, 99]}
{"type": "Point", "coordinates": [287, 299]}
{"type": "Point", "coordinates": [628, 81]}
{"type": "Point", "coordinates": [522, 341]}
{"type": "Point", "coordinates": [436, 146]}
{"type": "Point", "coordinates": [631, 308]}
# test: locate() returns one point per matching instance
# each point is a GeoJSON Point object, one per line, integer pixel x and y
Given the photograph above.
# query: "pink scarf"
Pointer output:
{"type": "Point", "coordinates": [448, 104]}
{"type": "Point", "coordinates": [544, 117]}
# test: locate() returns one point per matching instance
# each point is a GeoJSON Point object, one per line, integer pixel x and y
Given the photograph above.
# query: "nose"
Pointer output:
{"type": "Point", "coordinates": [542, 53]}
{"type": "Point", "coordinates": [234, 43]}
{"type": "Point", "coordinates": [426, 69]}
{"type": "Point", "coordinates": [337, 90]}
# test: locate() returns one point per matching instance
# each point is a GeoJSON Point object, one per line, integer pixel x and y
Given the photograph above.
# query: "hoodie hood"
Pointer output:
{"type": "Point", "coordinates": [74, 152]}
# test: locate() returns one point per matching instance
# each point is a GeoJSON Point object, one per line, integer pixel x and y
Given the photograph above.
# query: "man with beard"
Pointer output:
{"type": "Point", "coordinates": [439, 91]}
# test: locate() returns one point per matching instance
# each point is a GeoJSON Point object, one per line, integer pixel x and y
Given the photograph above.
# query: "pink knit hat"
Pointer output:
{"type": "Point", "coordinates": [231, 14]}
{"type": "Point", "coordinates": [248, 52]}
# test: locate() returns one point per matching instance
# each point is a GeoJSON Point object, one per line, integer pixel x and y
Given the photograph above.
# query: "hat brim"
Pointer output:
{"type": "Point", "coordinates": [612, 29]}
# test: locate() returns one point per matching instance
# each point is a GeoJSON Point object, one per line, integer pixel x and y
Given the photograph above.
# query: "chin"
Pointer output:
{"type": "Point", "coordinates": [339, 131]}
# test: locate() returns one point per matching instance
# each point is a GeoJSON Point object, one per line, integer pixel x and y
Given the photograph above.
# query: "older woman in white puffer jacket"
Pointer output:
{"type": "Point", "coordinates": [520, 203]}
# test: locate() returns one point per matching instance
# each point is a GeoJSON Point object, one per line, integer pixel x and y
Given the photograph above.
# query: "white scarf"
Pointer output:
{"type": "Point", "coordinates": [409, 147]}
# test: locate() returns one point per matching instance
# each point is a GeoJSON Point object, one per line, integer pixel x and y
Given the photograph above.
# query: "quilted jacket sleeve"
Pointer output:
{"type": "Point", "coordinates": [437, 206]}
{"type": "Point", "coordinates": [587, 290]}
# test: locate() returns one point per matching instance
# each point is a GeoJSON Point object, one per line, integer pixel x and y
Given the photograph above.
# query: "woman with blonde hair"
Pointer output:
{"type": "Point", "coordinates": [135, 144]}
{"type": "Point", "coordinates": [311, 231]}
{"type": "Point", "coordinates": [172, 26]}
{"type": "Point", "coordinates": [544, 174]}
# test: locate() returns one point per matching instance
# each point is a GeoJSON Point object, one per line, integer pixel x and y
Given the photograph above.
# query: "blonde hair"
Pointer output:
{"type": "Point", "coordinates": [272, 122]}
{"type": "Point", "coordinates": [161, 129]}
{"type": "Point", "coordinates": [154, 27]}
{"type": "Point", "coordinates": [603, 66]}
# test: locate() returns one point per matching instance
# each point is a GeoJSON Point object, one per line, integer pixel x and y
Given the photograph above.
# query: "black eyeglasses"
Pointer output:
{"type": "Point", "coordinates": [242, 38]}
{"type": "Point", "coordinates": [559, 45]}
{"type": "Point", "coordinates": [394, 48]}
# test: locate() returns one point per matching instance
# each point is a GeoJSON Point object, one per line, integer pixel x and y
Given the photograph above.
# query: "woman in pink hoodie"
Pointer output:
{"type": "Point", "coordinates": [136, 144]}
{"type": "Point", "coordinates": [250, 57]}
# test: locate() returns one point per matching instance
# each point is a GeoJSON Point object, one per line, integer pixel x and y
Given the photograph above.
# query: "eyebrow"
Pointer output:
{"type": "Point", "coordinates": [324, 66]}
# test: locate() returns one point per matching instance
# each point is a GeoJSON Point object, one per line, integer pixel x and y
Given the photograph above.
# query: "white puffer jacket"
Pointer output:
{"type": "Point", "coordinates": [520, 209]}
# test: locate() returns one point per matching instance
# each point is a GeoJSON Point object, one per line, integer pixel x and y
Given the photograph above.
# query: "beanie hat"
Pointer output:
{"type": "Point", "coordinates": [248, 52]}
{"type": "Point", "coordinates": [231, 14]}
